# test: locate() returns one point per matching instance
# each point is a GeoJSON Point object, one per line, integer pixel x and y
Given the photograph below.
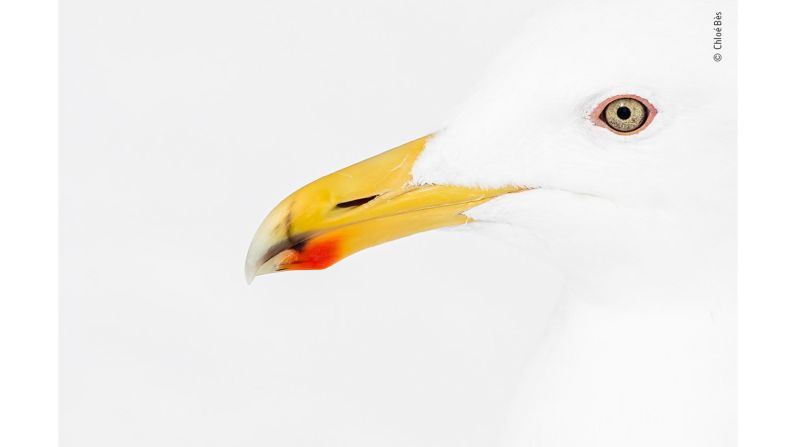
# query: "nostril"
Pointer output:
{"type": "Point", "coordinates": [356, 202]}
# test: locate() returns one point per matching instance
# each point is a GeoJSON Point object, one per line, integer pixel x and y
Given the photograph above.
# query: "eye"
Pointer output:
{"type": "Point", "coordinates": [624, 114]}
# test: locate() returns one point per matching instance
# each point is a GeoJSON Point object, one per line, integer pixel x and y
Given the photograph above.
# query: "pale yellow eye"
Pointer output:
{"type": "Point", "coordinates": [625, 114]}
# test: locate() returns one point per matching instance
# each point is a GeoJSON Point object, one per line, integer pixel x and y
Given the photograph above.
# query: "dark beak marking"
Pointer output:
{"type": "Point", "coordinates": [356, 202]}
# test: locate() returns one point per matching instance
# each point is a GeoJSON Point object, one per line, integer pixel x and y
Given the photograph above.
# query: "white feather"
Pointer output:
{"type": "Point", "coordinates": [641, 351]}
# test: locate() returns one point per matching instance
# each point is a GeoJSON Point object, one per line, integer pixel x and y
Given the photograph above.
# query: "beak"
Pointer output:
{"type": "Point", "coordinates": [363, 205]}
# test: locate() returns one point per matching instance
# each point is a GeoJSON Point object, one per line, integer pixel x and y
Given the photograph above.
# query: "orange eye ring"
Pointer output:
{"type": "Point", "coordinates": [622, 120]}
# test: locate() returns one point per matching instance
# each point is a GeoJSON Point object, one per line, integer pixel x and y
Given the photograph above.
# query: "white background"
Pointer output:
{"type": "Point", "coordinates": [28, 182]}
{"type": "Point", "coordinates": [183, 123]}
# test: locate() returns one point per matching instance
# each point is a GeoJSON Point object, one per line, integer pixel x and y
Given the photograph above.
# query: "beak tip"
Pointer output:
{"type": "Point", "coordinates": [253, 263]}
{"type": "Point", "coordinates": [254, 259]}
{"type": "Point", "coordinates": [250, 273]}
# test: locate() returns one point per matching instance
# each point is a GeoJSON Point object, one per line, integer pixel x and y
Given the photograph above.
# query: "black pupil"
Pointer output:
{"type": "Point", "coordinates": [623, 112]}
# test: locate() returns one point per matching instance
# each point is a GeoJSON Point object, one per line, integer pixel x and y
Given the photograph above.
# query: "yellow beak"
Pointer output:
{"type": "Point", "coordinates": [363, 205]}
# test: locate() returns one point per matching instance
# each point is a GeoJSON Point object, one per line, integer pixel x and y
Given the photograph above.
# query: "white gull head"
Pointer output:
{"type": "Point", "coordinates": [532, 124]}
{"type": "Point", "coordinates": [634, 200]}
{"type": "Point", "coordinates": [642, 224]}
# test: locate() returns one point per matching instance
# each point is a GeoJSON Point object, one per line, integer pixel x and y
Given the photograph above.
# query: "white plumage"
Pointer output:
{"type": "Point", "coordinates": [641, 350]}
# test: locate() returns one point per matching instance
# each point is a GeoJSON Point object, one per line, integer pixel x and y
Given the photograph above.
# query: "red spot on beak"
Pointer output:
{"type": "Point", "coordinates": [317, 254]}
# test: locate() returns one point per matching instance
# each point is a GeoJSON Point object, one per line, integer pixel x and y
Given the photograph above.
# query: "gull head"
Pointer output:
{"type": "Point", "coordinates": [603, 126]}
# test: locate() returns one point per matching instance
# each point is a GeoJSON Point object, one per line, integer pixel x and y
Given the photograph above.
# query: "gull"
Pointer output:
{"type": "Point", "coordinates": [603, 140]}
